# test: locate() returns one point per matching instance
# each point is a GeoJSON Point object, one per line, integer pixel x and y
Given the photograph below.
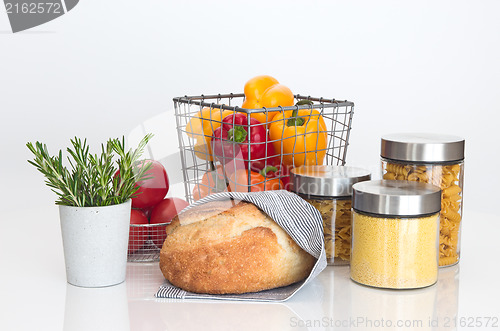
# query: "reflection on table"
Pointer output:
{"type": "Point", "coordinates": [331, 302]}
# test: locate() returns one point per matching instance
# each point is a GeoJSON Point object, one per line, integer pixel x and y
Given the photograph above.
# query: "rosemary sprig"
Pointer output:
{"type": "Point", "coordinates": [91, 179]}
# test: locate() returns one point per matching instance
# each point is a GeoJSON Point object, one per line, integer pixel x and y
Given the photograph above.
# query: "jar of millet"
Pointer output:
{"type": "Point", "coordinates": [395, 227]}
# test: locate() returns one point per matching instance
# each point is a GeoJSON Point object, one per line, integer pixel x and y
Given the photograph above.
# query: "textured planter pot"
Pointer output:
{"type": "Point", "coordinates": [95, 241]}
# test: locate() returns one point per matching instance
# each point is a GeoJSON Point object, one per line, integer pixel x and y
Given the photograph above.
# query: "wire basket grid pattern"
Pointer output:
{"type": "Point", "coordinates": [196, 140]}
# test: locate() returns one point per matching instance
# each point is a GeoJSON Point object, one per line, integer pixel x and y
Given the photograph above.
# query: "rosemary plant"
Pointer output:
{"type": "Point", "coordinates": [91, 179]}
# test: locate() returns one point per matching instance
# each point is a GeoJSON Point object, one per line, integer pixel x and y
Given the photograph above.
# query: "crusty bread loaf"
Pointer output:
{"type": "Point", "coordinates": [224, 247]}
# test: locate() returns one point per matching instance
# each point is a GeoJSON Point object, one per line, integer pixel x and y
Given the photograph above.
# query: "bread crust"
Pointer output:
{"type": "Point", "coordinates": [224, 247]}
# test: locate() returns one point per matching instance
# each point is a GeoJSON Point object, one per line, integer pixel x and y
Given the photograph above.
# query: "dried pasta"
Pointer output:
{"type": "Point", "coordinates": [447, 260]}
{"type": "Point", "coordinates": [447, 178]}
{"type": "Point", "coordinates": [336, 216]}
{"type": "Point", "coordinates": [398, 169]}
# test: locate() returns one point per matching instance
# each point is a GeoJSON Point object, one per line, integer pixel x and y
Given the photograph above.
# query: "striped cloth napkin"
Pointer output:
{"type": "Point", "coordinates": [297, 217]}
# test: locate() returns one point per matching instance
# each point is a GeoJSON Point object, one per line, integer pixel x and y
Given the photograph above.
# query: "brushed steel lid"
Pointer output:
{"type": "Point", "coordinates": [396, 198]}
{"type": "Point", "coordinates": [326, 180]}
{"type": "Point", "coordinates": [422, 147]}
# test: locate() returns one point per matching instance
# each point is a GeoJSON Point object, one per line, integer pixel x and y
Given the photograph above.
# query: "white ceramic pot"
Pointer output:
{"type": "Point", "coordinates": [95, 241]}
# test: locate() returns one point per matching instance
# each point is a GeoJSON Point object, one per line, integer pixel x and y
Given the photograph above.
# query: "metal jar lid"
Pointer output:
{"type": "Point", "coordinates": [422, 147]}
{"type": "Point", "coordinates": [396, 198]}
{"type": "Point", "coordinates": [326, 180]}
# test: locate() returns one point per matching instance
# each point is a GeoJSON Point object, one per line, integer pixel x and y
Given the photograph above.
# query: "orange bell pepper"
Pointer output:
{"type": "Point", "coordinates": [201, 127]}
{"type": "Point", "coordinates": [238, 182]}
{"type": "Point", "coordinates": [211, 182]}
{"type": "Point", "coordinates": [262, 117]}
{"type": "Point", "coordinates": [300, 136]}
{"type": "Point", "coordinates": [265, 91]}
{"type": "Point", "coordinates": [256, 86]}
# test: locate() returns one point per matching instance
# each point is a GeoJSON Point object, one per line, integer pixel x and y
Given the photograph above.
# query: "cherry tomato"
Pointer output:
{"type": "Point", "coordinates": [163, 212]}
{"type": "Point", "coordinates": [152, 190]}
{"type": "Point", "coordinates": [137, 235]}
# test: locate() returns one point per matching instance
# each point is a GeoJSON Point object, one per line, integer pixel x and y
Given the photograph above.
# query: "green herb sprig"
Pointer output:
{"type": "Point", "coordinates": [91, 179]}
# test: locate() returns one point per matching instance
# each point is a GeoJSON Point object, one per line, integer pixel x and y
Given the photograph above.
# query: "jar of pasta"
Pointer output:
{"type": "Point", "coordinates": [438, 160]}
{"type": "Point", "coordinates": [329, 189]}
{"type": "Point", "coordinates": [395, 234]}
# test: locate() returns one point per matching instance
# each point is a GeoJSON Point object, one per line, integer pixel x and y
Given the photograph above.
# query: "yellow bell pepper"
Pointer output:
{"type": "Point", "coordinates": [300, 135]}
{"type": "Point", "coordinates": [201, 127]}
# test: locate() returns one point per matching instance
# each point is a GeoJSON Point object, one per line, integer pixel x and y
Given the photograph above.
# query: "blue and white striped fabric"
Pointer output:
{"type": "Point", "coordinates": [292, 213]}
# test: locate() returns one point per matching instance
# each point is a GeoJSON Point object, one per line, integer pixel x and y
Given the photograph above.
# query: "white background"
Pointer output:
{"type": "Point", "coordinates": [107, 66]}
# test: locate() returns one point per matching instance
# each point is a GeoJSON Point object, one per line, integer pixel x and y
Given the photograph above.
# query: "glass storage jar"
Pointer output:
{"type": "Point", "coordinates": [395, 234]}
{"type": "Point", "coordinates": [438, 160]}
{"type": "Point", "coordinates": [329, 189]}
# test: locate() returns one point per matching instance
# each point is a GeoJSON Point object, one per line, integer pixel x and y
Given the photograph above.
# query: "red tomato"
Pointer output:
{"type": "Point", "coordinates": [147, 211]}
{"type": "Point", "coordinates": [137, 235]}
{"type": "Point", "coordinates": [152, 190]}
{"type": "Point", "coordinates": [163, 212]}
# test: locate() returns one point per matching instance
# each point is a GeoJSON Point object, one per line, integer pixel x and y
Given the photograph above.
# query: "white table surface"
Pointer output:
{"type": "Point", "coordinates": [35, 295]}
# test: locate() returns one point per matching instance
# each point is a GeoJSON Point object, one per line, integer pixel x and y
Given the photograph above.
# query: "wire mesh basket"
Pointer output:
{"type": "Point", "coordinates": [217, 156]}
{"type": "Point", "coordinates": [145, 242]}
{"type": "Point", "coordinates": [143, 279]}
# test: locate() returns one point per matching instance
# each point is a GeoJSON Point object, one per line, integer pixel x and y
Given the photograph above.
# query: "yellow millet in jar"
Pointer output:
{"type": "Point", "coordinates": [394, 252]}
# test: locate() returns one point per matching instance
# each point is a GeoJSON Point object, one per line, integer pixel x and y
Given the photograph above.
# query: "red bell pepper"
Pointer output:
{"type": "Point", "coordinates": [238, 142]}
